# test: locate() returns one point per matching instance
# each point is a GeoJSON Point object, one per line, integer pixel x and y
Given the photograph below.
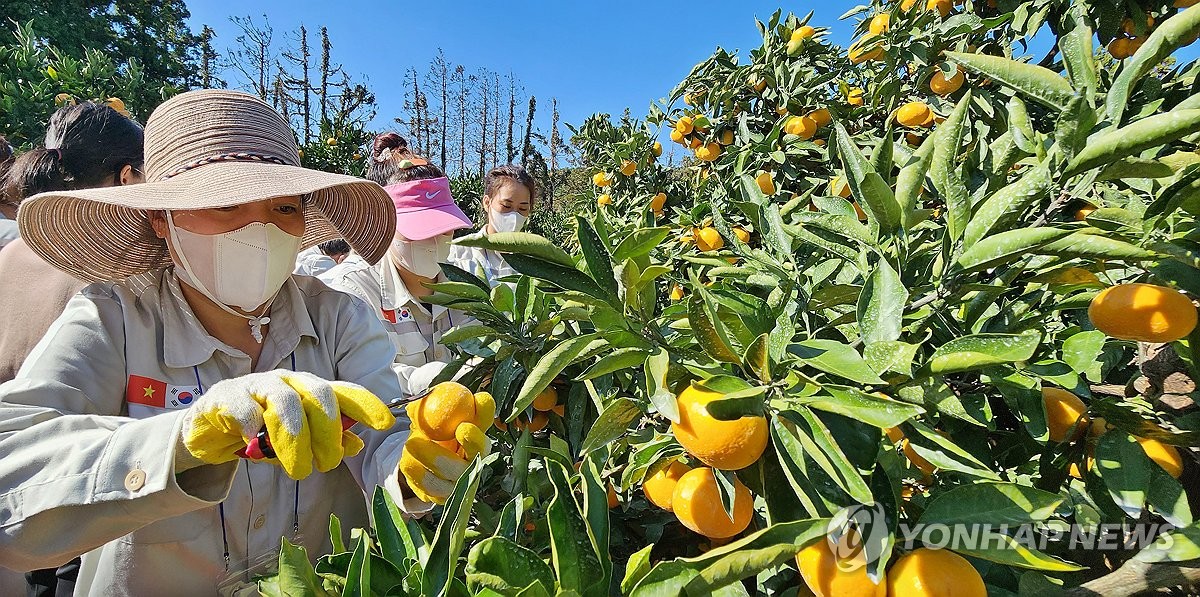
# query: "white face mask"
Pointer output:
{"type": "Point", "coordinates": [243, 268]}
{"type": "Point", "coordinates": [422, 257]}
{"type": "Point", "coordinates": [512, 221]}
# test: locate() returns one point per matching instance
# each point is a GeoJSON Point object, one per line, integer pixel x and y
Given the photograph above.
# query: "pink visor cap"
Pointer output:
{"type": "Point", "coordinates": [425, 209]}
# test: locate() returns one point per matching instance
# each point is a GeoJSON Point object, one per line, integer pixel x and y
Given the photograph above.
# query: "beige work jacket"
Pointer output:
{"type": "Point", "coordinates": [85, 470]}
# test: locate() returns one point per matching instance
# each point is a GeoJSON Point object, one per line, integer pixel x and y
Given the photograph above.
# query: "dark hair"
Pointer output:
{"type": "Point", "coordinates": [385, 168]}
{"type": "Point", "coordinates": [334, 247]}
{"type": "Point", "coordinates": [509, 172]}
{"type": "Point", "coordinates": [6, 160]}
{"type": "Point", "coordinates": [86, 145]}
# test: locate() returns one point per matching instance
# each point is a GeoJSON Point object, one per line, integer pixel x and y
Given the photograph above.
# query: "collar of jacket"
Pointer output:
{"type": "Point", "coordinates": [186, 343]}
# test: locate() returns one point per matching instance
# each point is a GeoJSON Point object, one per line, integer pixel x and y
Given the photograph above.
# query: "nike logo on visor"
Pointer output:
{"type": "Point", "coordinates": [432, 195]}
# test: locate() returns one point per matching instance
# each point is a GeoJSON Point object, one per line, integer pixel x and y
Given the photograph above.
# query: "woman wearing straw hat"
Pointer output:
{"type": "Point", "coordinates": [121, 431]}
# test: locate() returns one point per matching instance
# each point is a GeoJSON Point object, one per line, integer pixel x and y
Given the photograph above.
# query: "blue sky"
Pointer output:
{"type": "Point", "coordinates": [592, 56]}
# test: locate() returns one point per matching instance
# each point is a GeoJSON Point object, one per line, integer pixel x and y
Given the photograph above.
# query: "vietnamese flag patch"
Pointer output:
{"type": "Point", "coordinates": [144, 390]}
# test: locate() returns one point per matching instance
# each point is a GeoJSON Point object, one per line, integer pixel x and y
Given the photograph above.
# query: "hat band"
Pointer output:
{"type": "Point", "coordinates": [242, 156]}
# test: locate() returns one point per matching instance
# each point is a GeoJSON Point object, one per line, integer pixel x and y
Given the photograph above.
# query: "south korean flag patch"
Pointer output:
{"type": "Point", "coordinates": [181, 396]}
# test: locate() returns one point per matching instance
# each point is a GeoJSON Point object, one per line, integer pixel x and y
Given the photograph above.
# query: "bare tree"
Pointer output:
{"type": "Point", "coordinates": [555, 141]}
{"type": "Point", "coordinates": [253, 56]}
{"type": "Point", "coordinates": [439, 71]}
{"type": "Point", "coordinates": [413, 104]}
{"type": "Point", "coordinates": [526, 143]}
{"type": "Point", "coordinates": [497, 97]}
{"type": "Point", "coordinates": [328, 71]}
{"type": "Point", "coordinates": [209, 60]}
{"type": "Point", "coordinates": [461, 99]}
{"type": "Point", "coordinates": [428, 123]}
{"type": "Point", "coordinates": [512, 109]}
{"type": "Point", "coordinates": [301, 85]}
{"type": "Point", "coordinates": [355, 103]}
{"type": "Point", "coordinates": [485, 95]}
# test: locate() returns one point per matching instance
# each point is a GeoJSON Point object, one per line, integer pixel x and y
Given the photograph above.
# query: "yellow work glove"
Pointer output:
{"type": "Point", "coordinates": [448, 431]}
{"type": "Point", "coordinates": [301, 413]}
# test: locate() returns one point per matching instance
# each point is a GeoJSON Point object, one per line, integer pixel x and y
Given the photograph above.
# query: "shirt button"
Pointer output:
{"type": "Point", "coordinates": [260, 521]}
{"type": "Point", "coordinates": [135, 480]}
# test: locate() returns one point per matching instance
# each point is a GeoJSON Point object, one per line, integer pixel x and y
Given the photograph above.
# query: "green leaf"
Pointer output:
{"type": "Point", "coordinates": [1114, 219]}
{"type": "Point", "coordinates": [1094, 246]}
{"type": "Point", "coordinates": [547, 368]}
{"type": "Point", "coordinates": [758, 357]}
{"type": "Point", "coordinates": [1010, 552]}
{"type": "Point", "coordinates": [1006, 246]}
{"type": "Point", "coordinates": [891, 355]}
{"type": "Point", "coordinates": [980, 350]}
{"type": "Point", "coordinates": [1074, 124]}
{"type": "Point", "coordinates": [1035, 82]}
{"type": "Point", "coordinates": [564, 277]}
{"type": "Point", "coordinates": [706, 332]}
{"type": "Point", "coordinates": [1168, 498]}
{"type": "Point", "coordinates": [861, 406]}
{"type": "Point", "coordinates": [501, 565]}
{"type": "Point", "coordinates": [466, 332]}
{"type": "Point", "coordinates": [335, 534]}
{"type": "Point", "coordinates": [612, 423]}
{"type": "Point", "coordinates": [947, 178]}
{"type": "Point", "coordinates": [991, 504]}
{"type": "Point", "coordinates": [457, 274]}
{"type": "Point", "coordinates": [1078, 53]}
{"type": "Point", "coordinates": [1006, 204]}
{"type": "Point", "coordinates": [296, 575]}
{"type": "Point", "coordinates": [595, 253]}
{"type": "Point", "coordinates": [1125, 469]}
{"type": "Point", "coordinates": [358, 576]}
{"type": "Point", "coordinates": [1180, 545]}
{"type": "Point", "coordinates": [665, 579]}
{"type": "Point", "coordinates": [866, 184]}
{"type": "Point", "coordinates": [732, 407]}
{"type": "Point", "coordinates": [519, 243]}
{"type": "Point", "coordinates": [944, 453]}
{"type": "Point", "coordinates": [936, 395]}
{"type": "Point", "coordinates": [392, 531]}
{"type": "Point", "coordinates": [511, 517]}
{"type": "Point", "coordinates": [836, 358]}
{"type": "Point", "coordinates": [656, 384]}
{"type": "Point", "coordinates": [573, 557]}
{"type": "Point", "coordinates": [821, 447]}
{"type": "Point", "coordinates": [1152, 131]}
{"type": "Point", "coordinates": [448, 541]}
{"type": "Point", "coordinates": [911, 180]}
{"type": "Point", "coordinates": [617, 360]}
{"type": "Point", "coordinates": [1082, 353]}
{"type": "Point", "coordinates": [461, 290]}
{"type": "Point", "coordinates": [770, 547]}
{"type": "Point", "coordinates": [1135, 167]}
{"type": "Point", "coordinates": [881, 305]}
{"type": "Point", "coordinates": [639, 242]}
{"type": "Point", "coordinates": [1173, 33]}
{"type": "Point", "coordinates": [636, 568]}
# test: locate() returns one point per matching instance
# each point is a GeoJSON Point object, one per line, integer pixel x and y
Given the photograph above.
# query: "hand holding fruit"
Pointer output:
{"type": "Point", "coordinates": [447, 432]}
{"type": "Point", "coordinates": [301, 412]}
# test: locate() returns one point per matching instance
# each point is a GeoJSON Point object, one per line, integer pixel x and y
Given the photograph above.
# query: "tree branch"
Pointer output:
{"type": "Point", "coordinates": [1135, 577]}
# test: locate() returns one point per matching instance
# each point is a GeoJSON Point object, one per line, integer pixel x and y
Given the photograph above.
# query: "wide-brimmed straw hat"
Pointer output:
{"type": "Point", "coordinates": [204, 149]}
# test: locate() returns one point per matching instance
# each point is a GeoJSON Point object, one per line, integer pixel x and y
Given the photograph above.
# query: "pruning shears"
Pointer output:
{"type": "Point", "coordinates": [260, 448]}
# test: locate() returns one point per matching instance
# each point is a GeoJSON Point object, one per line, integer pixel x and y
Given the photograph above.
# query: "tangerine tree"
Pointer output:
{"type": "Point", "coordinates": [912, 283]}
